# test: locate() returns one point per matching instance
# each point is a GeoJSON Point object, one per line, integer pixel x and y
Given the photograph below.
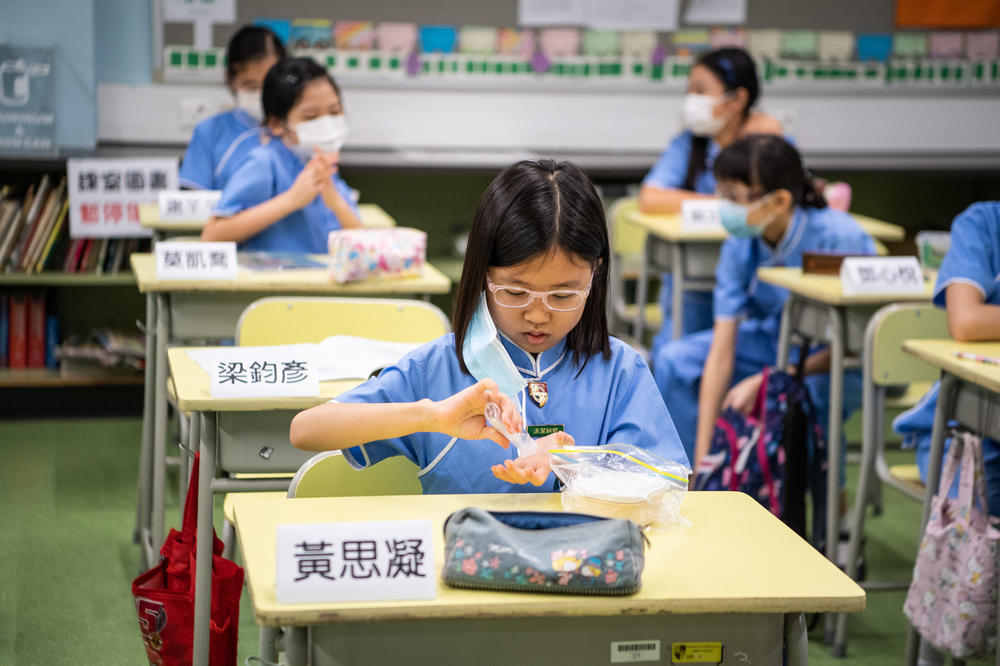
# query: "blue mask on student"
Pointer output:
{"type": "Point", "coordinates": [734, 218]}
{"type": "Point", "coordinates": [485, 355]}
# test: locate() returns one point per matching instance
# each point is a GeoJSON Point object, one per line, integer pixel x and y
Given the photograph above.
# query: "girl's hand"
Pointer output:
{"type": "Point", "coordinates": [311, 181]}
{"type": "Point", "coordinates": [462, 415]}
{"type": "Point", "coordinates": [332, 162]}
{"type": "Point", "coordinates": [533, 469]}
{"type": "Point", "coordinates": [743, 396]}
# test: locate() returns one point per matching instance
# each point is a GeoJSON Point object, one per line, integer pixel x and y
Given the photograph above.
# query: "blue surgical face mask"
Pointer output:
{"type": "Point", "coordinates": [486, 357]}
{"type": "Point", "coordinates": [734, 218]}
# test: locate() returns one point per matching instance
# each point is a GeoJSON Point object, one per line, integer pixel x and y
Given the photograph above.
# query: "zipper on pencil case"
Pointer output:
{"type": "Point", "coordinates": [602, 592]}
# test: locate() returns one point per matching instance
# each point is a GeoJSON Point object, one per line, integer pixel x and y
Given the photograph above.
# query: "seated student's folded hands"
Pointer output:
{"type": "Point", "coordinates": [463, 414]}
{"type": "Point", "coordinates": [533, 469]}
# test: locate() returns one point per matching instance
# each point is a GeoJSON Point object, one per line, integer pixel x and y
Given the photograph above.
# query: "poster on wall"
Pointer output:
{"type": "Point", "coordinates": [105, 193]}
{"type": "Point", "coordinates": [27, 100]}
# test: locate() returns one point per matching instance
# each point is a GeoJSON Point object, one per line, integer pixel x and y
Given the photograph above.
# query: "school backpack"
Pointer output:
{"type": "Point", "coordinates": [774, 454]}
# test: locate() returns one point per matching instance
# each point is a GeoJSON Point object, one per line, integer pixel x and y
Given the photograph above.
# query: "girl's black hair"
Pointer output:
{"type": "Point", "coordinates": [765, 163]}
{"type": "Point", "coordinates": [251, 42]}
{"type": "Point", "coordinates": [735, 69]}
{"type": "Point", "coordinates": [531, 209]}
{"type": "Point", "coordinates": [285, 82]}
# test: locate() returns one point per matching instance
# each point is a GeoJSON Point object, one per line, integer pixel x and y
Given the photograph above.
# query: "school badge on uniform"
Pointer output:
{"type": "Point", "coordinates": [538, 392]}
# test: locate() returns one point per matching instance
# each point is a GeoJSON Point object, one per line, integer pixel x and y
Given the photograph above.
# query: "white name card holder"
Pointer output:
{"type": "Point", "coordinates": [188, 205]}
{"type": "Point", "coordinates": [264, 372]}
{"type": "Point", "coordinates": [363, 561]}
{"type": "Point", "coordinates": [185, 260]}
{"type": "Point", "coordinates": [700, 215]}
{"type": "Point", "coordinates": [881, 275]}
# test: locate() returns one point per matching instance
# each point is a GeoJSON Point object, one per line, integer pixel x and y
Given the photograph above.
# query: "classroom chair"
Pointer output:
{"type": "Point", "coordinates": [289, 320]}
{"type": "Point", "coordinates": [628, 243]}
{"type": "Point", "coordinates": [327, 474]}
{"type": "Point", "coordinates": [885, 364]}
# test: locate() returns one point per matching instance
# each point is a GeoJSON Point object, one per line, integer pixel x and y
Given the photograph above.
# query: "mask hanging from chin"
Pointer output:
{"type": "Point", "coordinates": [697, 115]}
{"type": "Point", "coordinates": [734, 218]}
{"type": "Point", "coordinates": [486, 357]}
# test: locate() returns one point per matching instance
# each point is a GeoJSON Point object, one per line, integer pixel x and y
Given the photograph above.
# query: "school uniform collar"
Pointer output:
{"type": "Point", "coordinates": [528, 364]}
{"type": "Point", "coordinates": [790, 240]}
{"type": "Point", "coordinates": [245, 119]}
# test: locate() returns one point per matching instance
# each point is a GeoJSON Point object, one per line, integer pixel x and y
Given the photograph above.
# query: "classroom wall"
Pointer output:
{"type": "Point", "coordinates": [124, 41]}
{"type": "Point", "coordinates": [69, 26]}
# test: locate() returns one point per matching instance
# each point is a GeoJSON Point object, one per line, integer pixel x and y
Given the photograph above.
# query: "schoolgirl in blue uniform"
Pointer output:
{"type": "Point", "coordinates": [536, 269]}
{"type": "Point", "coordinates": [287, 195]}
{"type": "Point", "coordinates": [718, 109]}
{"type": "Point", "coordinates": [968, 285]}
{"type": "Point", "coordinates": [773, 215]}
{"type": "Point", "coordinates": [220, 143]}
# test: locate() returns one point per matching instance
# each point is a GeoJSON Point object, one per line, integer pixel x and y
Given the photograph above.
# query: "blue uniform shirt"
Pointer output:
{"type": "Point", "coordinates": [974, 259]}
{"type": "Point", "coordinates": [218, 146]}
{"type": "Point", "coordinates": [611, 401]}
{"type": "Point", "coordinates": [267, 171]}
{"type": "Point", "coordinates": [670, 170]}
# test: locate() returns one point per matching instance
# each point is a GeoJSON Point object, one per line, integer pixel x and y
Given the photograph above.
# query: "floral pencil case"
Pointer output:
{"type": "Point", "coordinates": [524, 551]}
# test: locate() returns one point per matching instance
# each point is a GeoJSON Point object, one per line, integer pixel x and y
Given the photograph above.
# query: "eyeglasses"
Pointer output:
{"type": "Point", "coordinates": [562, 300]}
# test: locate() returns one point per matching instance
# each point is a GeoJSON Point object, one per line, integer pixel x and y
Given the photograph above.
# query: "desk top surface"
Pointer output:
{"type": "Point", "coordinates": [827, 288]}
{"type": "Point", "coordinates": [192, 390]}
{"type": "Point", "coordinates": [372, 215]}
{"type": "Point", "coordinates": [735, 558]}
{"type": "Point", "coordinates": [299, 280]}
{"type": "Point", "coordinates": [669, 227]}
{"type": "Point", "coordinates": [941, 354]}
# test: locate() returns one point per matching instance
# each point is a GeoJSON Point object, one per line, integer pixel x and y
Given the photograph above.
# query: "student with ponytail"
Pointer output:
{"type": "Point", "coordinates": [773, 214]}
{"type": "Point", "coordinates": [718, 109]}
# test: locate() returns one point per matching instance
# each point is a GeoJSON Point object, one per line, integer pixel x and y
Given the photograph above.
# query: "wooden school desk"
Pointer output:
{"type": "Point", "coordinates": [818, 309]}
{"type": "Point", "coordinates": [209, 309]}
{"type": "Point", "coordinates": [736, 576]}
{"type": "Point", "coordinates": [690, 256]}
{"type": "Point", "coordinates": [372, 215]}
{"type": "Point", "coordinates": [969, 393]}
{"type": "Point", "coordinates": [240, 435]}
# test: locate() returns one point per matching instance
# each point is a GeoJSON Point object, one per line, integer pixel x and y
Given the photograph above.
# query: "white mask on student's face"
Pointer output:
{"type": "Point", "coordinates": [326, 133]}
{"type": "Point", "coordinates": [697, 114]}
{"type": "Point", "coordinates": [249, 101]}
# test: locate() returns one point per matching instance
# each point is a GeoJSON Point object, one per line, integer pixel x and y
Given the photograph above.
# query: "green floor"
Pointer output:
{"type": "Point", "coordinates": [67, 491]}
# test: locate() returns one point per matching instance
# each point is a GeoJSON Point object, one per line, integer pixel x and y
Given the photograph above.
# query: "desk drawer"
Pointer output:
{"type": "Point", "coordinates": [258, 442]}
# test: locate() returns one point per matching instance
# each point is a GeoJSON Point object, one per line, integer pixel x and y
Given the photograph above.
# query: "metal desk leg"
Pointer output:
{"type": "Point", "coordinates": [796, 640]}
{"type": "Point", "coordinates": [159, 422]}
{"type": "Point", "coordinates": [677, 288]}
{"type": "Point", "coordinates": [836, 330]}
{"type": "Point", "coordinates": [189, 448]}
{"type": "Point", "coordinates": [146, 449]}
{"type": "Point", "coordinates": [203, 551]}
{"type": "Point", "coordinates": [297, 646]}
{"type": "Point", "coordinates": [785, 332]}
{"type": "Point", "coordinates": [642, 291]}
{"type": "Point", "coordinates": [942, 414]}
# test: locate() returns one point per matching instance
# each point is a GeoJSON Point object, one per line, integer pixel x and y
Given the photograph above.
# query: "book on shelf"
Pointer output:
{"type": "Point", "coordinates": [36, 329]}
{"type": "Point", "coordinates": [13, 229]}
{"type": "Point", "coordinates": [17, 355]}
{"type": "Point", "coordinates": [4, 328]}
{"type": "Point", "coordinates": [50, 244]}
{"type": "Point", "coordinates": [42, 196]}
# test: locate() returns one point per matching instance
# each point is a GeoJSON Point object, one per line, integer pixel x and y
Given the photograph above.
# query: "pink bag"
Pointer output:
{"type": "Point", "coordinates": [952, 600]}
{"type": "Point", "coordinates": [357, 254]}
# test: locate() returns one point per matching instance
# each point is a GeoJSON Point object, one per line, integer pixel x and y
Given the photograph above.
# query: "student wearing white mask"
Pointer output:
{"type": "Point", "coordinates": [288, 195]}
{"type": "Point", "coordinates": [717, 110]}
{"type": "Point", "coordinates": [531, 336]}
{"type": "Point", "coordinates": [220, 143]}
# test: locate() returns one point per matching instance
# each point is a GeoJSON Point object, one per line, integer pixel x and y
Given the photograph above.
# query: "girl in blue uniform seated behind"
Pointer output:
{"type": "Point", "coordinates": [718, 109]}
{"type": "Point", "coordinates": [967, 286]}
{"type": "Point", "coordinates": [773, 214]}
{"type": "Point", "coordinates": [220, 143]}
{"type": "Point", "coordinates": [537, 267]}
{"type": "Point", "coordinates": [287, 195]}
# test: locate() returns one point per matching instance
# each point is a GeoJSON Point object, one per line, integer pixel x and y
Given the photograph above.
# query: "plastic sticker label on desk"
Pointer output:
{"type": "Point", "coordinates": [881, 275]}
{"type": "Point", "coordinates": [634, 652]}
{"type": "Point", "coordinates": [188, 205]}
{"type": "Point", "coordinates": [264, 372]}
{"type": "Point", "coordinates": [696, 653]}
{"type": "Point", "coordinates": [181, 260]}
{"type": "Point", "coordinates": [700, 214]}
{"type": "Point", "coordinates": [363, 561]}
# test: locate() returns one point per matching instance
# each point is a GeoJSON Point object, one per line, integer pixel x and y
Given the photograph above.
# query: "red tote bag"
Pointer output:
{"type": "Point", "coordinates": [164, 596]}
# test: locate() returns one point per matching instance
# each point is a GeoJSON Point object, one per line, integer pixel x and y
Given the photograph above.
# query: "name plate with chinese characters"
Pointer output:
{"type": "Point", "coordinates": [365, 561]}
{"type": "Point", "coordinates": [700, 215]}
{"type": "Point", "coordinates": [881, 275]}
{"type": "Point", "coordinates": [180, 260]}
{"type": "Point", "coordinates": [264, 372]}
{"type": "Point", "coordinates": [188, 205]}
